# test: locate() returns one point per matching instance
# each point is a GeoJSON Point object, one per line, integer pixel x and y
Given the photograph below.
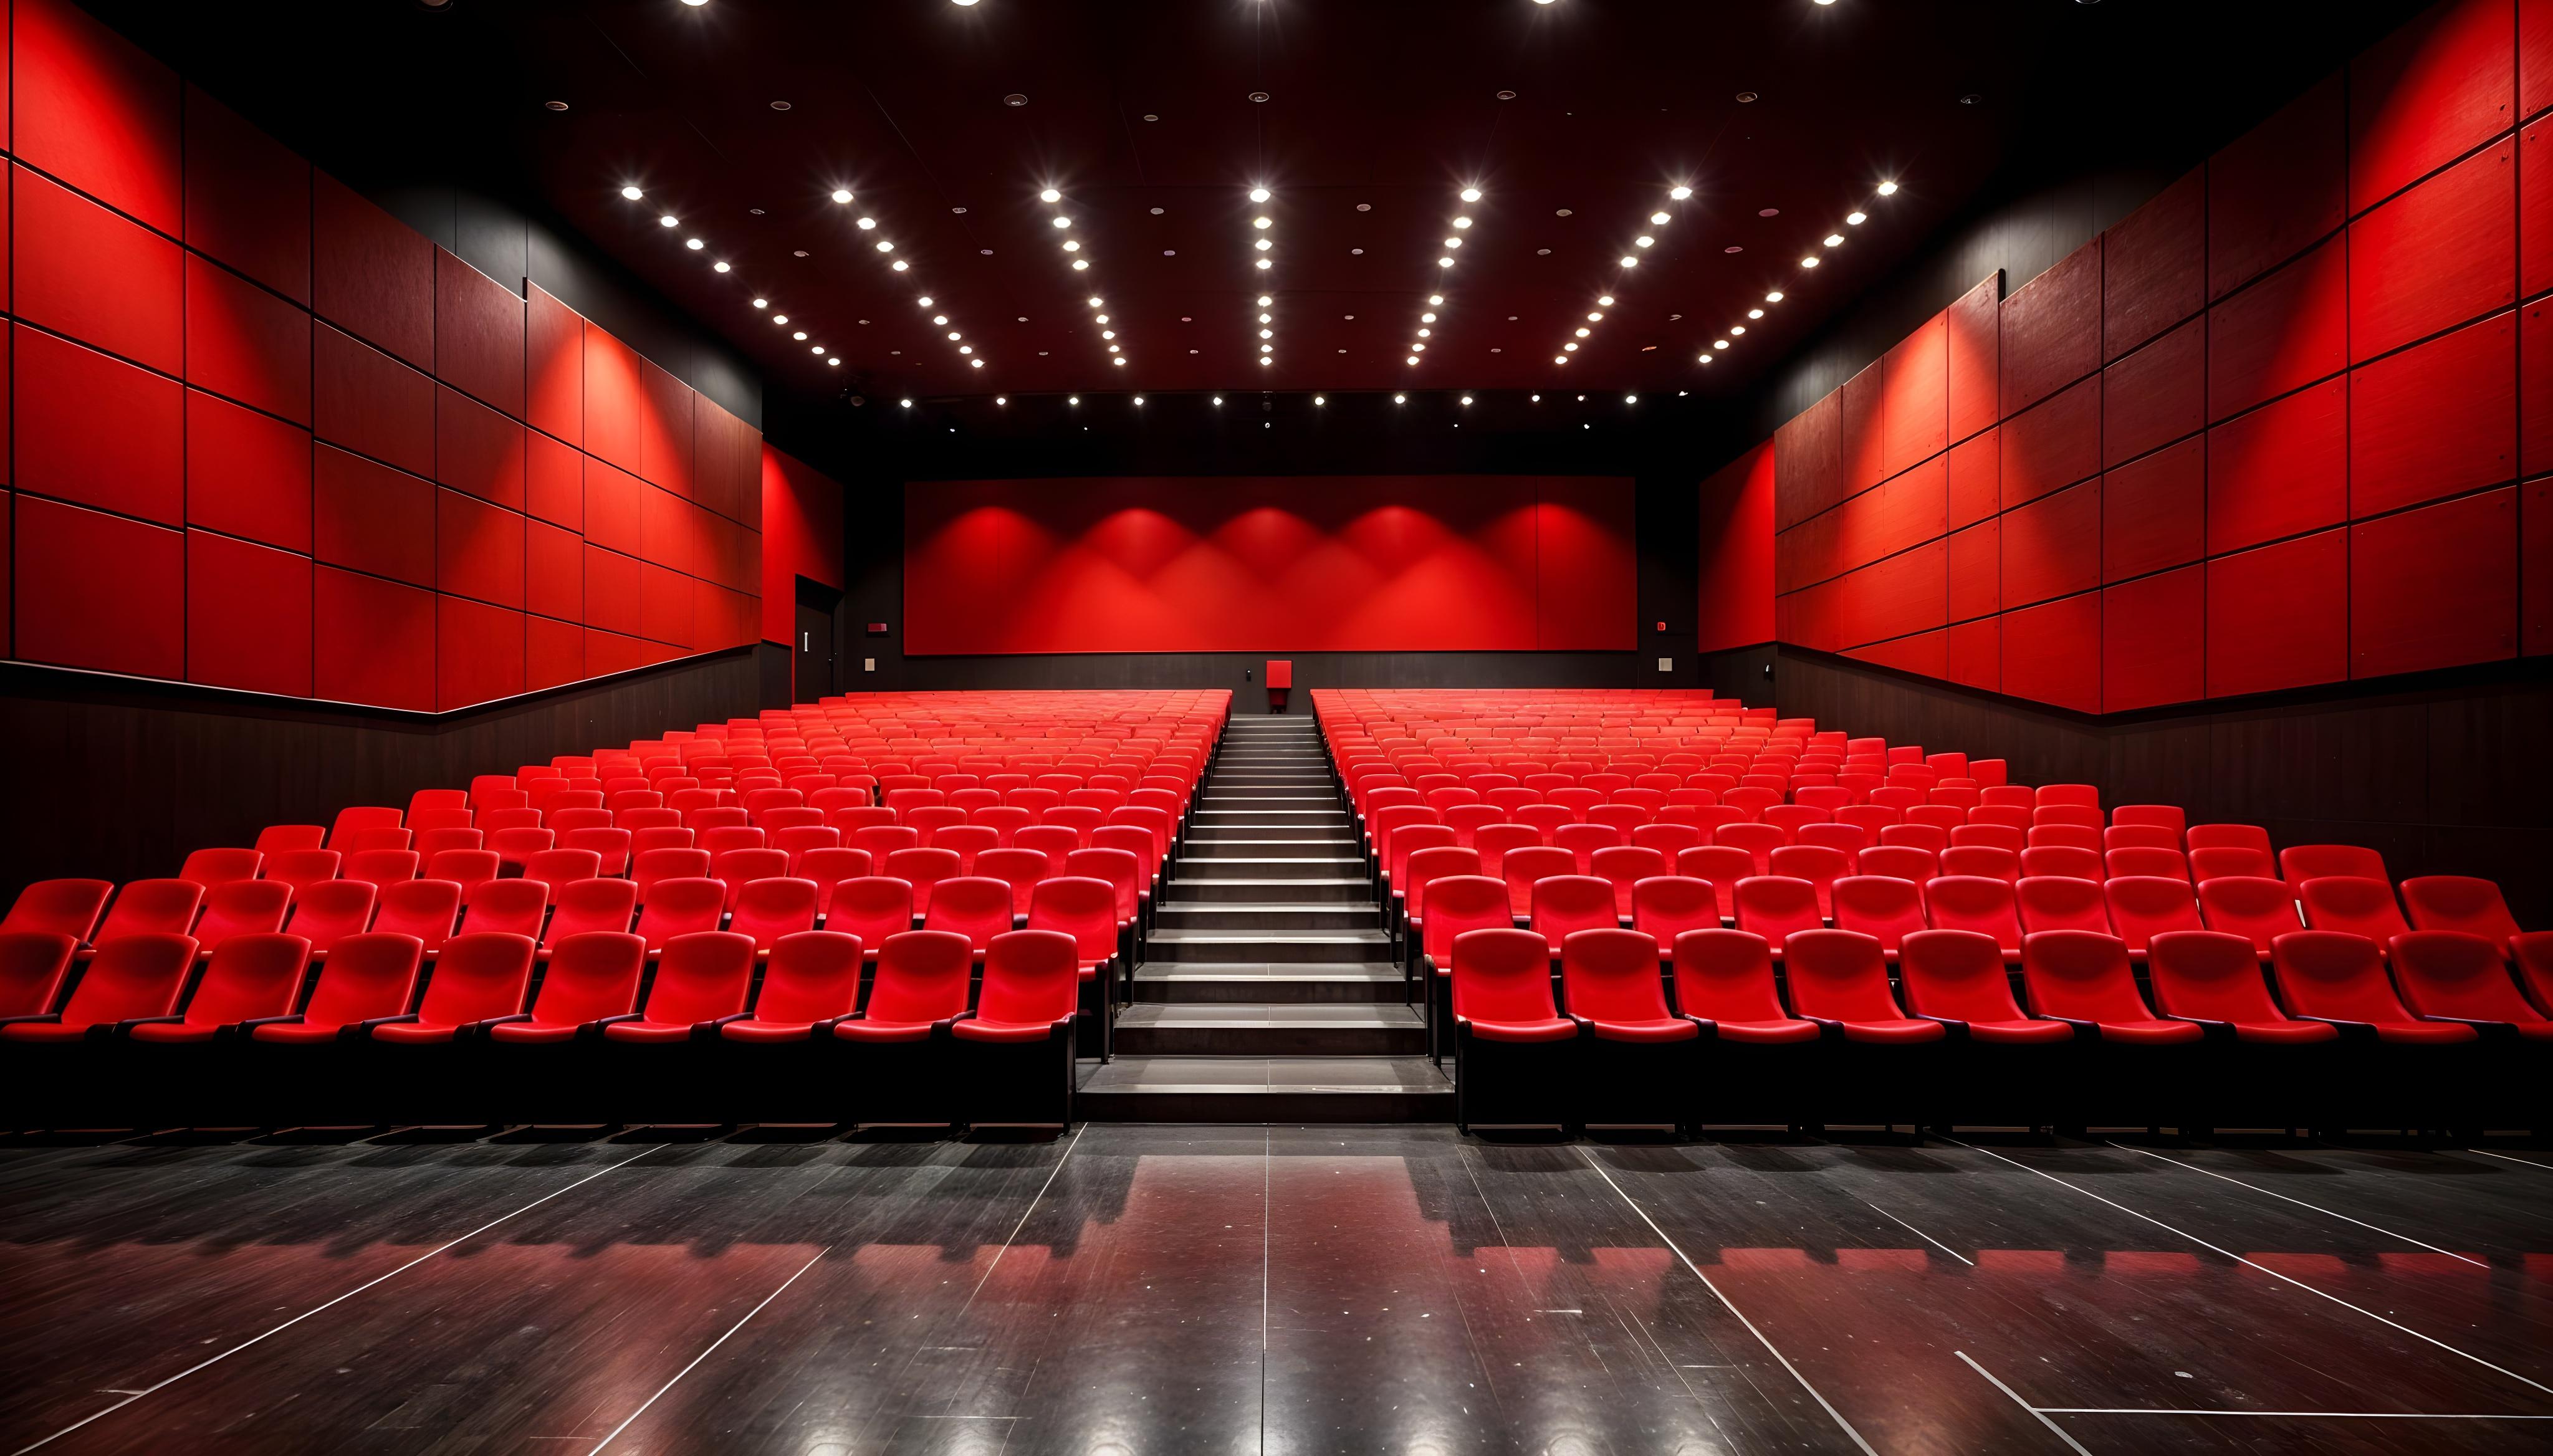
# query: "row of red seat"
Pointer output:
{"type": "Point", "coordinates": [1613, 1038]}
{"type": "Point", "coordinates": [934, 1038]}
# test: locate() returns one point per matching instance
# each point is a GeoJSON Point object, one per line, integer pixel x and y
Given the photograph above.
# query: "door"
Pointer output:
{"type": "Point", "coordinates": [815, 652]}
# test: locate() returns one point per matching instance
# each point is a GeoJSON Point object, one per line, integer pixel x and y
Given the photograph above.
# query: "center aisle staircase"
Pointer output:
{"type": "Point", "coordinates": [1269, 991]}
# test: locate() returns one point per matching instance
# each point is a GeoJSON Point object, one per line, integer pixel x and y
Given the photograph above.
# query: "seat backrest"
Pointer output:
{"type": "Point", "coordinates": [1819, 866]}
{"type": "Point", "coordinates": [2218, 862]}
{"type": "Point", "coordinates": [134, 975]}
{"type": "Point", "coordinates": [1665, 906]}
{"type": "Point", "coordinates": [1967, 902]}
{"type": "Point", "coordinates": [1987, 861]}
{"type": "Point", "coordinates": [922, 975]}
{"type": "Point", "coordinates": [34, 964]}
{"type": "Point", "coordinates": [1031, 977]}
{"type": "Point", "coordinates": [1668, 837]}
{"type": "Point", "coordinates": [1957, 976]}
{"type": "Point", "coordinates": [1020, 868]}
{"type": "Point", "coordinates": [1612, 975]}
{"type": "Point", "coordinates": [2061, 903]}
{"type": "Point", "coordinates": [153, 906]}
{"type": "Point", "coordinates": [2260, 908]}
{"type": "Point", "coordinates": [871, 907]}
{"type": "Point", "coordinates": [966, 840]}
{"type": "Point", "coordinates": [1624, 866]}
{"type": "Point", "coordinates": [1460, 903]}
{"type": "Point", "coordinates": [251, 974]}
{"type": "Point", "coordinates": [922, 869]}
{"type": "Point", "coordinates": [276, 838]}
{"type": "Point", "coordinates": [828, 867]}
{"type": "Point", "coordinates": [814, 975]}
{"type": "Point", "coordinates": [328, 911]}
{"type": "Point", "coordinates": [2226, 836]}
{"type": "Point", "coordinates": [2139, 837]}
{"type": "Point", "coordinates": [736, 869]}
{"type": "Point", "coordinates": [516, 907]}
{"type": "Point", "coordinates": [1723, 865]}
{"type": "Point", "coordinates": [464, 868]}
{"type": "Point", "coordinates": [1883, 907]}
{"type": "Point", "coordinates": [973, 906]}
{"type": "Point", "coordinates": [2047, 862]}
{"type": "Point", "coordinates": [767, 909]}
{"type": "Point", "coordinates": [656, 865]}
{"type": "Point", "coordinates": [1546, 820]}
{"type": "Point", "coordinates": [424, 909]}
{"type": "Point", "coordinates": [2080, 976]}
{"type": "Point", "coordinates": [1522, 868]}
{"type": "Point", "coordinates": [1759, 840]}
{"type": "Point", "coordinates": [701, 977]}
{"type": "Point", "coordinates": [2457, 902]}
{"type": "Point", "coordinates": [1493, 841]}
{"type": "Point", "coordinates": [591, 977]}
{"type": "Point", "coordinates": [1433, 863]}
{"type": "Point", "coordinates": [2139, 859]}
{"type": "Point", "coordinates": [2142, 907]}
{"type": "Point", "coordinates": [1776, 906]}
{"type": "Point", "coordinates": [384, 868]}
{"type": "Point", "coordinates": [1898, 862]}
{"type": "Point", "coordinates": [1054, 841]}
{"type": "Point", "coordinates": [242, 907]}
{"type": "Point", "coordinates": [1503, 976]}
{"type": "Point", "coordinates": [883, 840]}
{"type": "Point", "coordinates": [673, 908]}
{"type": "Point", "coordinates": [1932, 838]}
{"type": "Point", "coordinates": [2362, 907]}
{"type": "Point", "coordinates": [2298, 863]}
{"type": "Point", "coordinates": [213, 868]}
{"type": "Point", "coordinates": [1725, 975]}
{"type": "Point", "coordinates": [1123, 870]}
{"type": "Point", "coordinates": [1564, 904]}
{"type": "Point", "coordinates": [1838, 975]}
{"type": "Point", "coordinates": [2335, 975]}
{"type": "Point", "coordinates": [2206, 975]}
{"type": "Point", "coordinates": [1078, 906]}
{"type": "Point", "coordinates": [476, 977]}
{"type": "Point", "coordinates": [62, 907]}
{"type": "Point", "coordinates": [518, 846]}
{"type": "Point", "coordinates": [366, 976]}
{"type": "Point", "coordinates": [356, 818]}
{"type": "Point", "coordinates": [2458, 977]}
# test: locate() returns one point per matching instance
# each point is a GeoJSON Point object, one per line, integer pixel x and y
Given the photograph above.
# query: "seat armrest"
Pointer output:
{"type": "Point", "coordinates": [2080, 1024]}
{"type": "Point", "coordinates": [825, 1027]}
{"type": "Point", "coordinates": [1948, 1023]}
{"type": "Point", "coordinates": [480, 1028]}
{"type": "Point", "coordinates": [253, 1023]}
{"type": "Point", "coordinates": [2347, 1028]}
{"type": "Point", "coordinates": [711, 1027]}
{"type": "Point", "coordinates": [125, 1028]}
{"type": "Point", "coordinates": [593, 1030]}
{"type": "Point", "coordinates": [45, 1017]}
{"type": "Point", "coordinates": [1585, 1024]}
{"type": "Point", "coordinates": [362, 1030]}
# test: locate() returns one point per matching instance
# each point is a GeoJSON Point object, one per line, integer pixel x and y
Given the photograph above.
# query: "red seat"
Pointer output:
{"type": "Point", "coordinates": [2146, 861]}
{"type": "Point", "coordinates": [2058, 903]}
{"type": "Point", "coordinates": [1609, 980]}
{"type": "Point", "coordinates": [702, 979]}
{"type": "Point", "coordinates": [813, 979]}
{"type": "Point", "coordinates": [1017, 867]}
{"type": "Point", "coordinates": [2222, 860]}
{"type": "Point", "coordinates": [883, 840]}
{"type": "Point", "coordinates": [32, 966]}
{"type": "Point", "coordinates": [1031, 990]}
{"type": "Point", "coordinates": [66, 907]}
{"type": "Point", "coordinates": [2132, 836]}
{"type": "Point", "coordinates": [2226, 836]}
{"type": "Point", "coordinates": [1759, 840]}
{"type": "Point", "coordinates": [1624, 866]}
{"type": "Point", "coordinates": [2532, 956]}
{"type": "Point", "coordinates": [973, 906]}
{"type": "Point", "coordinates": [2298, 863]}
{"type": "Point", "coordinates": [736, 869]}
{"type": "Point", "coordinates": [2339, 978]}
{"type": "Point", "coordinates": [2061, 861]}
{"type": "Point", "coordinates": [328, 911]}
{"type": "Point", "coordinates": [382, 867]}
{"type": "Point", "coordinates": [1564, 904]}
{"type": "Point", "coordinates": [921, 987]}
{"type": "Point", "coordinates": [153, 906]}
{"type": "Point", "coordinates": [366, 978]}
{"type": "Point", "coordinates": [2215, 979]}
{"type": "Point", "coordinates": [2456, 902]}
{"type": "Point", "coordinates": [1666, 906]}
{"type": "Point", "coordinates": [1989, 835]}
{"type": "Point", "coordinates": [1957, 977]}
{"type": "Point", "coordinates": [654, 867]}
{"type": "Point", "coordinates": [515, 846]}
{"type": "Point", "coordinates": [1458, 904]}
{"type": "Point", "coordinates": [1082, 908]}
{"type": "Point", "coordinates": [1123, 870]}
{"type": "Point", "coordinates": [1885, 908]}
{"type": "Point", "coordinates": [1819, 866]}
{"type": "Point", "coordinates": [431, 843]}
{"type": "Point", "coordinates": [2061, 835]}
{"type": "Point", "coordinates": [769, 908]}
{"type": "Point", "coordinates": [1898, 862]}
{"type": "Point", "coordinates": [515, 907]}
{"type": "Point", "coordinates": [1955, 902]}
{"type": "Point", "coordinates": [1526, 867]}
{"type": "Point", "coordinates": [425, 908]}
{"type": "Point", "coordinates": [355, 819]}
{"type": "Point", "coordinates": [134, 977]}
{"type": "Point", "coordinates": [2082, 976]}
{"type": "Point", "coordinates": [872, 908]}
{"type": "Point", "coordinates": [2448, 975]}
{"type": "Point", "coordinates": [922, 869]}
{"type": "Point", "coordinates": [2359, 906]}
{"type": "Point", "coordinates": [1722, 866]}
{"type": "Point", "coordinates": [589, 905]}
{"type": "Point", "coordinates": [214, 869]}
{"type": "Point", "coordinates": [240, 908]}
{"type": "Point", "coordinates": [966, 840]}
{"type": "Point", "coordinates": [252, 976]}
{"type": "Point", "coordinates": [1839, 979]}
{"type": "Point", "coordinates": [1776, 906]}
{"type": "Point", "coordinates": [276, 838]}
{"type": "Point", "coordinates": [2258, 909]}
{"type": "Point", "coordinates": [1502, 988]}
{"type": "Point", "coordinates": [2142, 907]}
{"type": "Point", "coordinates": [1726, 978]}
{"type": "Point", "coordinates": [1982, 861]}
{"type": "Point", "coordinates": [592, 978]}
{"type": "Point", "coordinates": [467, 868]}
{"type": "Point", "coordinates": [829, 867]}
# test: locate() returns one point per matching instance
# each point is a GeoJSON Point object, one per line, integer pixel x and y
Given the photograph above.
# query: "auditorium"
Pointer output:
{"type": "Point", "coordinates": [1577, 727]}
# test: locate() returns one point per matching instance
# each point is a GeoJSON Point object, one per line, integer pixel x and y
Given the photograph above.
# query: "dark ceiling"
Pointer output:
{"type": "Point", "coordinates": [1143, 113]}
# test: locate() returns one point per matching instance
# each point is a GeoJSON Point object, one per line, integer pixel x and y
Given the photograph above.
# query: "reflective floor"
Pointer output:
{"type": "Point", "coordinates": [1143, 1289]}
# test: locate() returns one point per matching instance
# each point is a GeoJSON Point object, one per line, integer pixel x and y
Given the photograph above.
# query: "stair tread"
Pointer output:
{"type": "Point", "coordinates": [1265, 937]}
{"type": "Point", "coordinates": [1243, 1014]}
{"type": "Point", "coordinates": [1416, 1075]}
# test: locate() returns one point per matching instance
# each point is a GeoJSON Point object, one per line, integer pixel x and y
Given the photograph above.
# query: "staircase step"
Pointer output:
{"type": "Point", "coordinates": [1262, 890]}
{"type": "Point", "coordinates": [1267, 984]}
{"type": "Point", "coordinates": [1312, 832]}
{"type": "Point", "coordinates": [1265, 1029]}
{"type": "Point", "coordinates": [1271, 1089]}
{"type": "Point", "coordinates": [1286, 848]}
{"type": "Point", "coordinates": [1274, 916]}
{"type": "Point", "coordinates": [1292, 947]}
{"type": "Point", "coordinates": [1275, 867]}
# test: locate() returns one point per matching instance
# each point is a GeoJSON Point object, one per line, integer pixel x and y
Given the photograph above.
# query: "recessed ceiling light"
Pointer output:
{"type": "Point", "coordinates": [780, 318]}
{"type": "Point", "coordinates": [1402, 398]}
{"type": "Point", "coordinates": [780, 106]}
{"type": "Point", "coordinates": [1510, 95]}
{"type": "Point", "coordinates": [835, 361]}
{"type": "Point", "coordinates": [1561, 212]}
{"type": "Point", "coordinates": [1754, 313]}
{"type": "Point", "coordinates": [555, 105]}
{"type": "Point", "coordinates": [1151, 116]}
{"type": "Point", "coordinates": [705, 2]}
{"type": "Point", "coordinates": [669, 220]}
{"type": "Point", "coordinates": [1015, 99]}
{"type": "Point", "coordinates": [867, 223]}
{"type": "Point", "coordinates": [694, 244]}
{"type": "Point", "coordinates": [1092, 301]}
{"type": "Point", "coordinates": [1072, 399]}
{"type": "Point", "coordinates": [1658, 218]}
{"type": "Point", "coordinates": [1704, 359]}
{"type": "Point", "coordinates": [633, 194]}
{"type": "Point", "coordinates": [1774, 297]}
{"type": "Point", "coordinates": [1262, 223]}
{"type": "Point", "coordinates": [1257, 96]}
{"type": "Point", "coordinates": [800, 336]}
{"type": "Point", "coordinates": [842, 194]}
{"type": "Point", "coordinates": [1680, 194]}
{"type": "Point", "coordinates": [1732, 249]}
{"type": "Point", "coordinates": [1259, 195]}
{"type": "Point", "coordinates": [1560, 359]}
{"type": "Point", "coordinates": [883, 246]}
{"type": "Point", "coordinates": [1737, 328]}
{"type": "Point", "coordinates": [1887, 190]}
{"type": "Point", "coordinates": [1461, 222]}
{"type": "Point", "coordinates": [1745, 97]}
{"type": "Point", "coordinates": [1139, 398]}
{"type": "Point", "coordinates": [971, 2]}
{"type": "Point", "coordinates": [1643, 242]}
{"type": "Point", "coordinates": [1631, 263]}
{"type": "Point", "coordinates": [1855, 219]}
{"type": "Point", "coordinates": [761, 303]}
{"type": "Point", "coordinates": [1835, 240]}
{"type": "Point", "coordinates": [1583, 332]}
{"type": "Point", "coordinates": [1569, 348]}
{"type": "Point", "coordinates": [819, 349]}
{"type": "Point", "coordinates": [1264, 263]}
{"type": "Point", "coordinates": [718, 266]}
{"type": "Point", "coordinates": [1320, 399]}
{"type": "Point", "coordinates": [1809, 262]}
{"type": "Point", "coordinates": [1444, 262]}
{"type": "Point", "coordinates": [1720, 343]}
{"type": "Point", "coordinates": [1265, 300]}
{"type": "Point", "coordinates": [1079, 263]}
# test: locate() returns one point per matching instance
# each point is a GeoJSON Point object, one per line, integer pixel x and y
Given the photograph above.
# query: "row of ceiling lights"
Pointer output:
{"type": "Point", "coordinates": [1074, 400]}
{"type": "Point", "coordinates": [1053, 197]}
{"type": "Point", "coordinates": [1834, 240]}
{"type": "Point", "coordinates": [635, 193]}
{"type": "Point", "coordinates": [1639, 244]}
{"type": "Point", "coordinates": [1263, 243]}
{"type": "Point", "coordinates": [1427, 329]}
{"type": "Point", "coordinates": [868, 226]}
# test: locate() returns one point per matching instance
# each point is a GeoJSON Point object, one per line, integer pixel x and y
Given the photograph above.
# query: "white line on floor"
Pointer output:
{"type": "Point", "coordinates": [1678, 1251]}
{"type": "Point", "coordinates": [2302, 1203]}
{"type": "Point", "coordinates": [1919, 1233]}
{"type": "Point", "coordinates": [2263, 1268]}
{"type": "Point", "coordinates": [340, 1299]}
{"type": "Point", "coordinates": [2036, 1413]}
{"type": "Point", "coordinates": [704, 1354]}
{"type": "Point", "coordinates": [2276, 1415]}
{"type": "Point", "coordinates": [2504, 1158]}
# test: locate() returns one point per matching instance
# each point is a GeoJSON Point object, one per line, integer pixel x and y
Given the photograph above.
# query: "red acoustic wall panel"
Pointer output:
{"type": "Point", "coordinates": [1972, 358]}
{"type": "Point", "coordinates": [2276, 188]}
{"type": "Point", "coordinates": [100, 278]}
{"type": "Point", "coordinates": [1345, 564]}
{"type": "Point", "coordinates": [2435, 256]}
{"type": "Point", "coordinates": [2051, 329]}
{"type": "Point", "coordinates": [2536, 397]}
{"type": "Point", "coordinates": [553, 572]}
{"type": "Point", "coordinates": [2536, 565]}
{"type": "Point", "coordinates": [372, 642]}
{"type": "Point", "coordinates": [2278, 617]}
{"type": "Point", "coordinates": [667, 535]}
{"type": "Point", "coordinates": [90, 108]}
{"type": "Point", "coordinates": [248, 199]}
{"type": "Point", "coordinates": [1736, 561]}
{"type": "Point", "coordinates": [98, 591]}
{"type": "Point", "coordinates": [2046, 654]}
{"type": "Point", "coordinates": [2153, 512]}
{"type": "Point", "coordinates": [664, 605]}
{"type": "Point", "coordinates": [1975, 568]}
{"type": "Point", "coordinates": [2051, 445]}
{"type": "Point", "coordinates": [2535, 56]}
{"type": "Point", "coordinates": [248, 474]}
{"type": "Point", "coordinates": [613, 499]}
{"type": "Point", "coordinates": [1813, 444]}
{"type": "Point", "coordinates": [1974, 478]}
{"type": "Point", "coordinates": [2155, 395]}
{"type": "Point", "coordinates": [97, 430]}
{"type": "Point", "coordinates": [664, 430]}
{"type": "Point", "coordinates": [2154, 641]}
{"type": "Point", "coordinates": [247, 343]}
{"type": "Point", "coordinates": [371, 517]}
{"type": "Point", "coordinates": [2435, 419]}
{"type": "Point", "coordinates": [2535, 208]}
{"type": "Point", "coordinates": [1864, 449]}
{"type": "Point", "coordinates": [369, 274]}
{"type": "Point", "coordinates": [479, 550]}
{"type": "Point", "coordinates": [1973, 655]}
{"type": "Point", "coordinates": [553, 653]}
{"type": "Point", "coordinates": [2279, 470]}
{"type": "Point", "coordinates": [2155, 265]}
{"type": "Point", "coordinates": [2282, 333]}
{"type": "Point", "coordinates": [611, 591]}
{"type": "Point", "coordinates": [613, 395]}
{"type": "Point", "coordinates": [2436, 587]}
{"type": "Point", "coordinates": [477, 334]}
{"type": "Point", "coordinates": [1914, 412]}
{"type": "Point", "coordinates": [477, 450]}
{"type": "Point", "coordinates": [370, 403]}
{"type": "Point", "coordinates": [2052, 547]}
{"type": "Point", "coordinates": [479, 654]}
{"type": "Point", "coordinates": [554, 367]}
{"type": "Point", "coordinates": [553, 481]}
{"type": "Point", "coordinates": [1924, 653]}
{"type": "Point", "coordinates": [248, 615]}
{"type": "Point", "coordinates": [801, 514]}
{"type": "Point", "coordinates": [2428, 93]}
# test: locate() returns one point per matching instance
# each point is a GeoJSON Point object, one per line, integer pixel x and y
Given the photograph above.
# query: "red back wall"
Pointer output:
{"type": "Point", "coordinates": [268, 437]}
{"type": "Point", "coordinates": [2287, 424]}
{"type": "Point", "coordinates": [1248, 564]}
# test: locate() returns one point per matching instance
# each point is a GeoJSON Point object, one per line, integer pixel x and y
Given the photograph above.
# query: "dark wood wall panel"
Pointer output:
{"type": "Point", "coordinates": [2444, 774]}
{"type": "Point", "coordinates": [120, 779]}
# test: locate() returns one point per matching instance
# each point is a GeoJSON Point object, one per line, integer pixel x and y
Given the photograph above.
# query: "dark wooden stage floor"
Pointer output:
{"type": "Point", "coordinates": [1178, 1289]}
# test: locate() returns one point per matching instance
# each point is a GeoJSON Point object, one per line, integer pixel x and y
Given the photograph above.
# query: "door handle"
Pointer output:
{"type": "Point", "coordinates": [803, 645]}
